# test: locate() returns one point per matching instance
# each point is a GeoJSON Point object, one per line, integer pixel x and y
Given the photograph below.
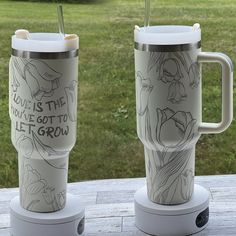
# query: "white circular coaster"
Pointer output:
{"type": "Point", "coordinates": [172, 220]}
{"type": "Point", "coordinates": [66, 222]}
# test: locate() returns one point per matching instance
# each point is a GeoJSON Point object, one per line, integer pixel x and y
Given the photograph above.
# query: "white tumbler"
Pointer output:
{"type": "Point", "coordinates": [169, 106]}
{"type": "Point", "coordinates": [43, 78]}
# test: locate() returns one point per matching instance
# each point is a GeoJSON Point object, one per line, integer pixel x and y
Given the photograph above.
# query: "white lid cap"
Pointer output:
{"type": "Point", "coordinates": [167, 34]}
{"type": "Point", "coordinates": [45, 42]}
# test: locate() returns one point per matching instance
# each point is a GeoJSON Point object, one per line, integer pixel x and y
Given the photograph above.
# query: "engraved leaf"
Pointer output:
{"type": "Point", "coordinates": [18, 64]}
{"type": "Point", "coordinates": [182, 59]}
{"type": "Point", "coordinates": [148, 129]}
{"type": "Point", "coordinates": [171, 192]}
{"type": "Point", "coordinates": [25, 145]}
{"type": "Point", "coordinates": [71, 100]}
{"type": "Point", "coordinates": [153, 59]}
{"type": "Point", "coordinates": [36, 187]}
{"type": "Point", "coordinates": [45, 151]}
{"type": "Point", "coordinates": [31, 205]}
{"type": "Point", "coordinates": [48, 195]}
{"type": "Point", "coordinates": [187, 183]}
{"type": "Point", "coordinates": [41, 79]}
{"type": "Point", "coordinates": [194, 75]}
{"type": "Point", "coordinates": [61, 199]}
{"type": "Point", "coordinates": [169, 172]}
{"type": "Point", "coordinates": [145, 88]}
{"type": "Point", "coordinates": [44, 70]}
{"type": "Point", "coordinates": [35, 80]}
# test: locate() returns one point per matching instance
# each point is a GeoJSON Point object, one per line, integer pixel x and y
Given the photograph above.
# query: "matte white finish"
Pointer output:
{"type": "Point", "coordinates": [45, 42]}
{"type": "Point", "coordinates": [169, 111]}
{"type": "Point", "coordinates": [167, 34]}
{"type": "Point", "coordinates": [61, 223]}
{"type": "Point", "coordinates": [46, 91]}
{"type": "Point", "coordinates": [227, 92]}
{"type": "Point", "coordinates": [169, 106]}
{"type": "Point", "coordinates": [164, 220]}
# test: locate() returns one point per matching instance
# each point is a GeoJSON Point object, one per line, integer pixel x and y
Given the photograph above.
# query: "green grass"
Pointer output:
{"type": "Point", "coordinates": [107, 144]}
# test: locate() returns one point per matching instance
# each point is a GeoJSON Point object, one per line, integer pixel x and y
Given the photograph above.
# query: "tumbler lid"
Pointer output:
{"type": "Point", "coordinates": [167, 35]}
{"type": "Point", "coordinates": [45, 42]}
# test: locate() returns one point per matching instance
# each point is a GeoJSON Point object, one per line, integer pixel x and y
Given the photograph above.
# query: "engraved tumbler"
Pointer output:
{"type": "Point", "coordinates": [43, 77]}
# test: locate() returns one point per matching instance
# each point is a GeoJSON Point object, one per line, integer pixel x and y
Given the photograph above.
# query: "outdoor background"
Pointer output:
{"type": "Point", "coordinates": [107, 145]}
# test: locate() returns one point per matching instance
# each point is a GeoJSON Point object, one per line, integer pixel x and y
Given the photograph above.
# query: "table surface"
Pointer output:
{"type": "Point", "coordinates": [110, 208]}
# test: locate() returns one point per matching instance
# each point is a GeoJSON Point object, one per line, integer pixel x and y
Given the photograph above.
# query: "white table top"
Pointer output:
{"type": "Point", "coordinates": [110, 208]}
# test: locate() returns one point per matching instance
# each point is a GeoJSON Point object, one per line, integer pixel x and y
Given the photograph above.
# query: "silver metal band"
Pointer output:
{"type": "Point", "coordinates": [166, 48]}
{"type": "Point", "coordinates": [45, 55]}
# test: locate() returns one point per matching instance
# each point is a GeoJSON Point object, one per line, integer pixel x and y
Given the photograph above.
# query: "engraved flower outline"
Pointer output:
{"type": "Point", "coordinates": [57, 201]}
{"type": "Point", "coordinates": [174, 133]}
{"type": "Point", "coordinates": [33, 183]}
{"type": "Point", "coordinates": [181, 124]}
{"type": "Point", "coordinates": [170, 73]}
{"type": "Point", "coordinates": [25, 146]}
{"type": "Point", "coordinates": [170, 68]}
{"type": "Point", "coordinates": [194, 75]}
{"type": "Point", "coordinates": [145, 87]}
{"type": "Point", "coordinates": [41, 79]}
{"type": "Point", "coordinates": [14, 74]}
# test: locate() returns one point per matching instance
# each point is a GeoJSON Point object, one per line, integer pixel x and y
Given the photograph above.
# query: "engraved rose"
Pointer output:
{"type": "Point", "coordinates": [174, 129]}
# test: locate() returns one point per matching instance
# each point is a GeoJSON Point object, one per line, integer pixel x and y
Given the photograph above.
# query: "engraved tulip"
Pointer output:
{"type": "Point", "coordinates": [174, 129]}
{"type": "Point", "coordinates": [174, 133]}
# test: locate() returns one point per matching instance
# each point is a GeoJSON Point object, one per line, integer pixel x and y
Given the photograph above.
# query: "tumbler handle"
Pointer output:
{"type": "Point", "coordinates": [227, 92]}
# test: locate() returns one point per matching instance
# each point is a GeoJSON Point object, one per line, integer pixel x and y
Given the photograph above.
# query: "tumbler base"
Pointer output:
{"type": "Point", "coordinates": [172, 220]}
{"type": "Point", "coordinates": [68, 221]}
